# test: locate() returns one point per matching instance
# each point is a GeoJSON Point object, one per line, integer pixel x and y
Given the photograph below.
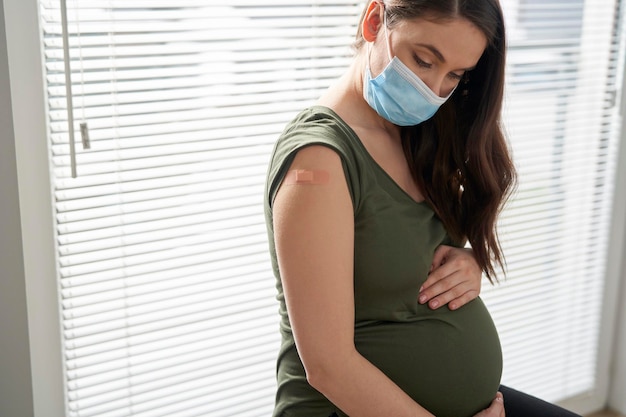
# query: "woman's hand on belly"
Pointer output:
{"type": "Point", "coordinates": [496, 409]}
{"type": "Point", "coordinates": [454, 279]}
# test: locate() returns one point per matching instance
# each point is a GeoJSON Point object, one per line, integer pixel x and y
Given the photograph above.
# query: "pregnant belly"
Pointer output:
{"type": "Point", "coordinates": [450, 362]}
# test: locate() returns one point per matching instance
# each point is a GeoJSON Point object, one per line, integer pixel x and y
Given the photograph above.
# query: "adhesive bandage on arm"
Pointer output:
{"type": "Point", "coordinates": [306, 177]}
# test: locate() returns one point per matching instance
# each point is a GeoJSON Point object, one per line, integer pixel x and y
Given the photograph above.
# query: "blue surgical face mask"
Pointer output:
{"type": "Point", "coordinates": [398, 94]}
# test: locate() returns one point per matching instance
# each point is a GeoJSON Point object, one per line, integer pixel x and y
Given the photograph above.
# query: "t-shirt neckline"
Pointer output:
{"type": "Point", "coordinates": [370, 158]}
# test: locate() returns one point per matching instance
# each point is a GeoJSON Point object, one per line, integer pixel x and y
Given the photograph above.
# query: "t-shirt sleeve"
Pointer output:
{"type": "Point", "coordinates": [311, 130]}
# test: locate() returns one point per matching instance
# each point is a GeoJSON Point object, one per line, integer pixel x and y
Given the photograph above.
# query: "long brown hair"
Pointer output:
{"type": "Point", "coordinates": [460, 158]}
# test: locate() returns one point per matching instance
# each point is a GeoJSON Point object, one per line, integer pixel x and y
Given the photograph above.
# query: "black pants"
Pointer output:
{"type": "Point", "coordinates": [518, 404]}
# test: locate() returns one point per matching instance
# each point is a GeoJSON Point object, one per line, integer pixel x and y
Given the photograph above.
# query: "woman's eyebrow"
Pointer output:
{"type": "Point", "coordinates": [439, 55]}
{"type": "Point", "coordinates": [432, 49]}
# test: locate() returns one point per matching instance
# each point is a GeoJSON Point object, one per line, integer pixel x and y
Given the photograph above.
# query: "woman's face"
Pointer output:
{"type": "Point", "coordinates": [438, 52]}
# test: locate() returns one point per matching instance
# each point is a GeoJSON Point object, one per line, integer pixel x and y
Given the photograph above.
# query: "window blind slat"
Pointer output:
{"type": "Point", "coordinates": [170, 338]}
{"type": "Point", "coordinates": [190, 322]}
{"type": "Point", "coordinates": [249, 357]}
{"type": "Point", "coordinates": [154, 291]}
{"type": "Point", "coordinates": [221, 344]}
{"type": "Point", "coordinates": [176, 364]}
{"type": "Point", "coordinates": [190, 266]}
{"type": "Point", "coordinates": [170, 385]}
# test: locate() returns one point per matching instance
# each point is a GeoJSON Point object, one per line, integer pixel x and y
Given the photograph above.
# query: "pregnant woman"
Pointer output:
{"type": "Point", "coordinates": [371, 195]}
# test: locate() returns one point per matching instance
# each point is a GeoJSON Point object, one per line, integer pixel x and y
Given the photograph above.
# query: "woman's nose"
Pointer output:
{"type": "Point", "coordinates": [435, 85]}
{"type": "Point", "coordinates": [440, 85]}
{"type": "Point", "coordinates": [441, 88]}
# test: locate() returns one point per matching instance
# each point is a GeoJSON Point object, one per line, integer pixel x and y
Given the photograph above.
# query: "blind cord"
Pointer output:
{"type": "Point", "coordinates": [84, 130]}
{"type": "Point", "coordinates": [68, 86]}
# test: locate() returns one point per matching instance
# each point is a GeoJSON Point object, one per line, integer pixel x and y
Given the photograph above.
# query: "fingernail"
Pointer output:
{"type": "Point", "coordinates": [421, 288]}
{"type": "Point", "coordinates": [422, 299]}
{"type": "Point", "coordinates": [434, 304]}
{"type": "Point", "coordinates": [452, 306]}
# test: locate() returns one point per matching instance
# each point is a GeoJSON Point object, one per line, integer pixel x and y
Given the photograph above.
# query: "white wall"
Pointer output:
{"type": "Point", "coordinates": [617, 399]}
{"type": "Point", "coordinates": [31, 374]}
{"type": "Point", "coordinates": [617, 396]}
{"type": "Point", "coordinates": [16, 397]}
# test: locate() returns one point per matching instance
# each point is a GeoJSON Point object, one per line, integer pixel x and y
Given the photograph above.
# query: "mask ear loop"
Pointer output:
{"type": "Point", "coordinates": [369, 44]}
{"type": "Point", "coordinates": [387, 41]}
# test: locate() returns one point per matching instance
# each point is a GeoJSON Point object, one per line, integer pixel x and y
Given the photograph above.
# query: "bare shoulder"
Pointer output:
{"type": "Point", "coordinates": [316, 170]}
{"type": "Point", "coordinates": [314, 201]}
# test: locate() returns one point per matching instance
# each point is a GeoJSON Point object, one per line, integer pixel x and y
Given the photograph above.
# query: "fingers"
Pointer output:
{"type": "Point", "coordinates": [448, 259]}
{"type": "Point", "coordinates": [440, 268]}
{"type": "Point", "coordinates": [458, 302]}
{"type": "Point", "coordinates": [496, 408]}
{"type": "Point", "coordinates": [443, 291]}
{"type": "Point", "coordinates": [455, 279]}
{"type": "Point", "coordinates": [437, 272]}
{"type": "Point", "coordinates": [498, 405]}
{"type": "Point", "coordinates": [439, 257]}
{"type": "Point", "coordinates": [455, 297]}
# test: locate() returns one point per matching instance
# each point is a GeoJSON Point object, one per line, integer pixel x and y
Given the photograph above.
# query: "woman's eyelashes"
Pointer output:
{"type": "Point", "coordinates": [423, 64]}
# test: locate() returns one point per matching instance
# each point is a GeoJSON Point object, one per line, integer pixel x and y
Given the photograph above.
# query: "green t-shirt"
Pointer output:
{"type": "Point", "coordinates": [450, 362]}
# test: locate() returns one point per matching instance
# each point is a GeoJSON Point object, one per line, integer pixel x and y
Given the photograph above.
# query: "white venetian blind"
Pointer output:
{"type": "Point", "coordinates": [167, 297]}
{"type": "Point", "coordinates": [565, 64]}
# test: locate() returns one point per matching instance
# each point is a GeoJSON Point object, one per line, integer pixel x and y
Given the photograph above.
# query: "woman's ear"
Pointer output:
{"type": "Point", "coordinates": [372, 21]}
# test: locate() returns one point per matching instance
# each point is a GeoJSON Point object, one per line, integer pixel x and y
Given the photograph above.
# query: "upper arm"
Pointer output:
{"type": "Point", "coordinates": [314, 236]}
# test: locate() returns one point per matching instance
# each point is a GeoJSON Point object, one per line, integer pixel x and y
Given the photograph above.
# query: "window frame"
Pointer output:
{"type": "Point", "coordinates": [26, 74]}
{"type": "Point", "coordinates": [35, 200]}
{"type": "Point", "coordinates": [616, 280]}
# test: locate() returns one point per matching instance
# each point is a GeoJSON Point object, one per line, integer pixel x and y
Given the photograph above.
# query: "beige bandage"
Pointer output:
{"type": "Point", "coordinates": [306, 177]}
